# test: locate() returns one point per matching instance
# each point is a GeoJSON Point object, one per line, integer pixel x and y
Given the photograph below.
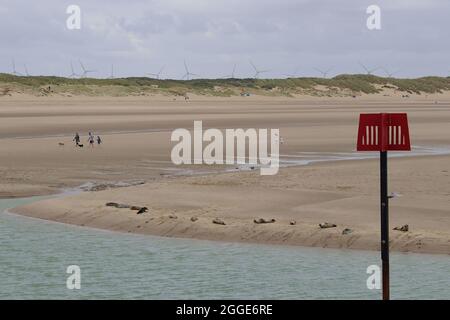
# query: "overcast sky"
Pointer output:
{"type": "Point", "coordinates": [283, 36]}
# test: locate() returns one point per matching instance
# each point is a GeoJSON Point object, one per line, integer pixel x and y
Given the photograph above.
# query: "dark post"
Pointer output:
{"type": "Point", "coordinates": [389, 126]}
{"type": "Point", "coordinates": [384, 223]}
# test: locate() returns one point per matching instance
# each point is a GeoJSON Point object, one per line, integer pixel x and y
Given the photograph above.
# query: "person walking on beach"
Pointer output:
{"type": "Point", "coordinates": [91, 140]}
{"type": "Point", "coordinates": [99, 140]}
{"type": "Point", "coordinates": [77, 139]}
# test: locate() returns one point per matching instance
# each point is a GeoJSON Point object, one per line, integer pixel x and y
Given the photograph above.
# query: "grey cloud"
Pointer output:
{"type": "Point", "coordinates": [139, 36]}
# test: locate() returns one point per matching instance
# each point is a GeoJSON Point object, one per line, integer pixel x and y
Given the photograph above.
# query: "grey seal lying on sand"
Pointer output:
{"type": "Point", "coordinates": [218, 221]}
{"type": "Point", "coordinates": [262, 220]}
{"type": "Point", "coordinates": [326, 225]}
{"type": "Point", "coordinates": [404, 228]}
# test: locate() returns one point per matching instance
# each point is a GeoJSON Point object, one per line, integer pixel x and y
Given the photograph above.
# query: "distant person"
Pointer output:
{"type": "Point", "coordinates": [77, 139]}
{"type": "Point", "coordinates": [91, 140]}
{"type": "Point", "coordinates": [99, 140]}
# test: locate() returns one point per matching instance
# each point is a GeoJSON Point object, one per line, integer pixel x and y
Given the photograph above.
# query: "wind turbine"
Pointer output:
{"type": "Point", "coordinates": [231, 76]}
{"type": "Point", "coordinates": [324, 73]}
{"type": "Point", "coordinates": [26, 70]}
{"type": "Point", "coordinates": [188, 73]}
{"type": "Point", "coordinates": [257, 72]}
{"type": "Point", "coordinates": [388, 73]}
{"type": "Point", "coordinates": [293, 75]}
{"type": "Point", "coordinates": [112, 72]}
{"type": "Point", "coordinates": [73, 74]}
{"type": "Point", "coordinates": [85, 71]}
{"type": "Point", "coordinates": [368, 71]}
{"type": "Point", "coordinates": [14, 71]}
{"type": "Point", "coordinates": [158, 75]}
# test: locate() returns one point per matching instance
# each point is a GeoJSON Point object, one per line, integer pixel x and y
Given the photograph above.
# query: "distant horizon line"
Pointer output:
{"type": "Point", "coordinates": [220, 78]}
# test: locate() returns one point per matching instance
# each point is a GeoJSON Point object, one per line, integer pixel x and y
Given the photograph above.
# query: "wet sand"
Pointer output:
{"type": "Point", "coordinates": [136, 134]}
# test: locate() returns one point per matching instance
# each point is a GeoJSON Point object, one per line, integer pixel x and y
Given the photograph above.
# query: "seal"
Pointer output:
{"type": "Point", "coordinates": [262, 220]}
{"type": "Point", "coordinates": [404, 228]}
{"type": "Point", "coordinates": [326, 225]}
{"type": "Point", "coordinates": [218, 221]}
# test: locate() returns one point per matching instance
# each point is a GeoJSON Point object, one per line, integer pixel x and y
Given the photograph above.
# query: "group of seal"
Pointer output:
{"type": "Point", "coordinates": [324, 225]}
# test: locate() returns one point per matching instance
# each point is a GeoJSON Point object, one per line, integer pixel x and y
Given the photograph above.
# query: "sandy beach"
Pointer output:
{"type": "Point", "coordinates": [136, 149]}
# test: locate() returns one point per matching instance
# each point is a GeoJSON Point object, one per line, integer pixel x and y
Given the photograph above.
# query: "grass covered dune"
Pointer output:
{"type": "Point", "coordinates": [341, 85]}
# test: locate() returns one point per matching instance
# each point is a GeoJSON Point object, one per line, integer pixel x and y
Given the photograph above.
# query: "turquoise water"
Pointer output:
{"type": "Point", "coordinates": [34, 255]}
